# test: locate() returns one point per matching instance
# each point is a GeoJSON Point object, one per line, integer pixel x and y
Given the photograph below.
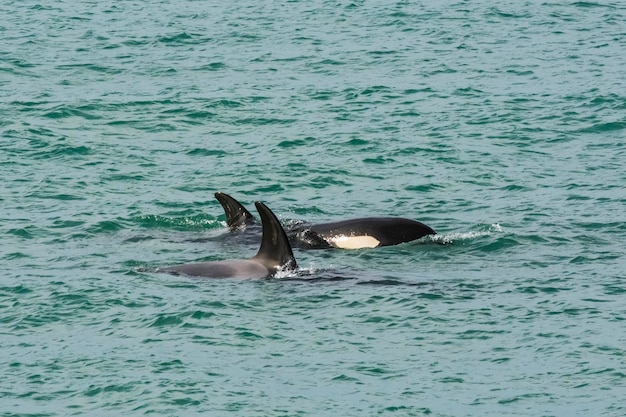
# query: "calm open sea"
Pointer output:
{"type": "Point", "coordinates": [502, 126]}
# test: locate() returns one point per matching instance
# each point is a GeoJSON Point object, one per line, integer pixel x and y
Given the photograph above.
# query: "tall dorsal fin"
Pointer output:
{"type": "Point", "coordinates": [275, 250]}
{"type": "Point", "coordinates": [236, 215]}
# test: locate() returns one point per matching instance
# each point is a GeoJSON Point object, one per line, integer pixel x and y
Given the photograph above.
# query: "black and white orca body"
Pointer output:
{"type": "Point", "coordinates": [274, 255]}
{"type": "Point", "coordinates": [371, 232]}
{"type": "Point", "coordinates": [368, 232]}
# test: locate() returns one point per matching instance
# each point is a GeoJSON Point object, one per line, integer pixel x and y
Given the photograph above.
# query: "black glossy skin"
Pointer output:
{"type": "Point", "coordinates": [237, 216]}
{"type": "Point", "coordinates": [387, 230]}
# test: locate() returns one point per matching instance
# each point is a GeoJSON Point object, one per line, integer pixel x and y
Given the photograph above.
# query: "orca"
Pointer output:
{"type": "Point", "coordinates": [367, 232]}
{"type": "Point", "coordinates": [275, 254]}
{"type": "Point", "coordinates": [371, 232]}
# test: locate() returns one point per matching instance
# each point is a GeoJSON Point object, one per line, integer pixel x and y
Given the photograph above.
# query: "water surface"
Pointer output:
{"type": "Point", "coordinates": [501, 126]}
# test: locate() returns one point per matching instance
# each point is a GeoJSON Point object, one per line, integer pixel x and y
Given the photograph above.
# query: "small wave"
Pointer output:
{"type": "Point", "coordinates": [604, 127]}
{"type": "Point", "coordinates": [105, 226]}
{"type": "Point", "coordinates": [182, 223]}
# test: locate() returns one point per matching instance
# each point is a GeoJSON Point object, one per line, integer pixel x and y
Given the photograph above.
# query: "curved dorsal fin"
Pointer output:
{"type": "Point", "coordinates": [275, 250]}
{"type": "Point", "coordinates": [236, 215]}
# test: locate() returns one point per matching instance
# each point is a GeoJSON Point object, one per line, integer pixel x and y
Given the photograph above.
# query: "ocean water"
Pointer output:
{"type": "Point", "coordinates": [502, 126]}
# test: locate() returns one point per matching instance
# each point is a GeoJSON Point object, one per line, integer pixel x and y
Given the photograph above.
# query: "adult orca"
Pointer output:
{"type": "Point", "coordinates": [367, 232]}
{"type": "Point", "coordinates": [274, 255]}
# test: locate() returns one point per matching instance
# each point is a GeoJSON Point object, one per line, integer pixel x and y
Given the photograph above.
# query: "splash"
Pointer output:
{"type": "Point", "coordinates": [285, 272]}
{"type": "Point", "coordinates": [483, 230]}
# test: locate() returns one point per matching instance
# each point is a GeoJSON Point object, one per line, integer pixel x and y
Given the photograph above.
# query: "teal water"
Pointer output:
{"type": "Point", "coordinates": [501, 126]}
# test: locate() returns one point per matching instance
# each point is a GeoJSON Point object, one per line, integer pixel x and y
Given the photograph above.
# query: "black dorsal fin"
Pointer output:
{"type": "Point", "coordinates": [275, 250]}
{"type": "Point", "coordinates": [236, 215]}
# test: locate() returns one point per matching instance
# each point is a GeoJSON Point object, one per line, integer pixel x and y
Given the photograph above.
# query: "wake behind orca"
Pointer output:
{"type": "Point", "coordinates": [368, 232]}
{"type": "Point", "coordinates": [274, 255]}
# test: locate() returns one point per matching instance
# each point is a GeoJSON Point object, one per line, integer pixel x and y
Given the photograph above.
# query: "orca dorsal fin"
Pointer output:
{"type": "Point", "coordinates": [236, 215]}
{"type": "Point", "coordinates": [275, 250]}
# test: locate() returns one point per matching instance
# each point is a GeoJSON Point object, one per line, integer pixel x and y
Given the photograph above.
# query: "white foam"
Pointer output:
{"type": "Point", "coordinates": [455, 237]}
{"type": "Point", "coordinates": [296, 273]}
{"type": "Point", "coordinates": [284, 272]}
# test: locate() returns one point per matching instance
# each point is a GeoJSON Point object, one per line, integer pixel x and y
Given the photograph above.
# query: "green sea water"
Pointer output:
{"type": "Point", "coordinates": [502, 126]}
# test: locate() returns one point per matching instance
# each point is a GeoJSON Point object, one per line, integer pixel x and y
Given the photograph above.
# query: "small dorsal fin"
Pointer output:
{"type": "Point", "coordinates": [236, 215]}
{"type": "Point", "coordinates": [275, 250]}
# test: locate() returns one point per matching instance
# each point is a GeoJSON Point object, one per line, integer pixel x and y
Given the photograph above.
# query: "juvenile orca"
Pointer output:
{"type": "Point", "coordinates": [368, 232]}
{"type": "Point", "coordinates": [274, 254]}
